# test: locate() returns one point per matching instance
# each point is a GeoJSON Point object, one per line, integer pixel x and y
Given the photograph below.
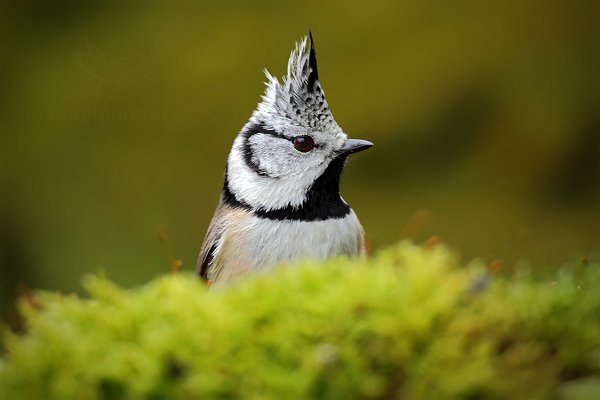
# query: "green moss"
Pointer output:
{"type": "Point", "coordinates": [409, 323]}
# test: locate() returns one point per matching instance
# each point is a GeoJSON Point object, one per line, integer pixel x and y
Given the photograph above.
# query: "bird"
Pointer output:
{"type": "Point", "coordinates": [280, 201]}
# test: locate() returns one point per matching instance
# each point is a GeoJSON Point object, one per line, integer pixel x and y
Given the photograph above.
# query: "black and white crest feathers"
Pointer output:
{"type": "Point", "coordinates": [313, 75]}
{"type": "Point", "coordinates": [300, 99]}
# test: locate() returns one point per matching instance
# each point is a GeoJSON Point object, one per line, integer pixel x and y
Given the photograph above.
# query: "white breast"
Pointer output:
{"type": "Point", "coordinates": [251, 243]}
{"type": "Point", "coordinates": [276, 242]}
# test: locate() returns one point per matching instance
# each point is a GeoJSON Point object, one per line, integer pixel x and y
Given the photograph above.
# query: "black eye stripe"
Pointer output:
{"type": "Point", "coordinates": [260, 128]}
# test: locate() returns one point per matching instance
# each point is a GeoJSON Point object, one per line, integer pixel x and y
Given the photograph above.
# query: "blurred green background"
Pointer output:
{"type": "Point", "coordinates": [117, 117]}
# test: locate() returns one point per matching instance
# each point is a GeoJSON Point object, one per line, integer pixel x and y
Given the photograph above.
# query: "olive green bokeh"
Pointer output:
{"type": "Point", "coordinates": [117, 117]}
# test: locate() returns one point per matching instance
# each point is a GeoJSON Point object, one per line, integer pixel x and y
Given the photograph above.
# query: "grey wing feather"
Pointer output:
{"type": "Point", "coordinates": [211, 241]}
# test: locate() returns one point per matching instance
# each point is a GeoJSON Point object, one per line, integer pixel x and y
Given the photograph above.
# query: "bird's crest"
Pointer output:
{"type": "Point", "coordinates": [300, 98]}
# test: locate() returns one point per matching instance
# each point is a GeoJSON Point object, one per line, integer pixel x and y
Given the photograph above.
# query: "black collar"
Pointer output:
{"type": "Point", "coordinates": [322, 202]}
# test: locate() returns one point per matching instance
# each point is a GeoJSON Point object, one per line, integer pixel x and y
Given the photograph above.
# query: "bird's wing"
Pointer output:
{"type": "Point", "coordinates": [211, 240]}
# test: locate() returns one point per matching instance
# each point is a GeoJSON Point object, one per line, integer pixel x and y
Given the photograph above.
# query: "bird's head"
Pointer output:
{"type": "Point", "coordinates": [290, 141]}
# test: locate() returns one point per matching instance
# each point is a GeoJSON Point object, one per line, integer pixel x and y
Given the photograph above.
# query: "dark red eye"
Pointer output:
{"type": "Point", "coordinates": [304, 143]}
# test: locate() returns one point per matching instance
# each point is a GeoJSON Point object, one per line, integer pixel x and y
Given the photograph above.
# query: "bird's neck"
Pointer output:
{"type": "Point", "coordinates": [322, 201]}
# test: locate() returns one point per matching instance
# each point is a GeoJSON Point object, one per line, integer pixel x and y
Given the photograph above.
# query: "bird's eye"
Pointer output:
{"type": "Point", "coordinates": [304, 143]}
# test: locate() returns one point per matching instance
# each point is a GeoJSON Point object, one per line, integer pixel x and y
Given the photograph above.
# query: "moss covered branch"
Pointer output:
{"type": "Point", "coordinates": [409, 323]}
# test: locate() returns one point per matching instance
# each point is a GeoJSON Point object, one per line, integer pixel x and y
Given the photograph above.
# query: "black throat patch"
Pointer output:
{"type": "Point", "coordinates": [322, 202]}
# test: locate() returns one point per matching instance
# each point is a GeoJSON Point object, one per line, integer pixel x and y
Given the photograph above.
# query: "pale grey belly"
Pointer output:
{"type": "Point", "coordinates": [274, 242]}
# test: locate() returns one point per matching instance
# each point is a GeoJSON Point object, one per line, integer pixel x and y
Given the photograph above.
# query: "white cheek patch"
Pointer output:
{"type": "Point", "coordinates": [288, 174]}
{"type": "Point", "coordinates": [271, 154]}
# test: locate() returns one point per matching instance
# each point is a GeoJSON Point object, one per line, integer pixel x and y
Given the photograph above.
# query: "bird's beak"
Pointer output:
{"type": "Point", "coordinates": [354, 146]}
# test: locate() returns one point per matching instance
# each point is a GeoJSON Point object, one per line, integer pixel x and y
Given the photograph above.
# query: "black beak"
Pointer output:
{"type": "Point", "coordinates": [354, 146]}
